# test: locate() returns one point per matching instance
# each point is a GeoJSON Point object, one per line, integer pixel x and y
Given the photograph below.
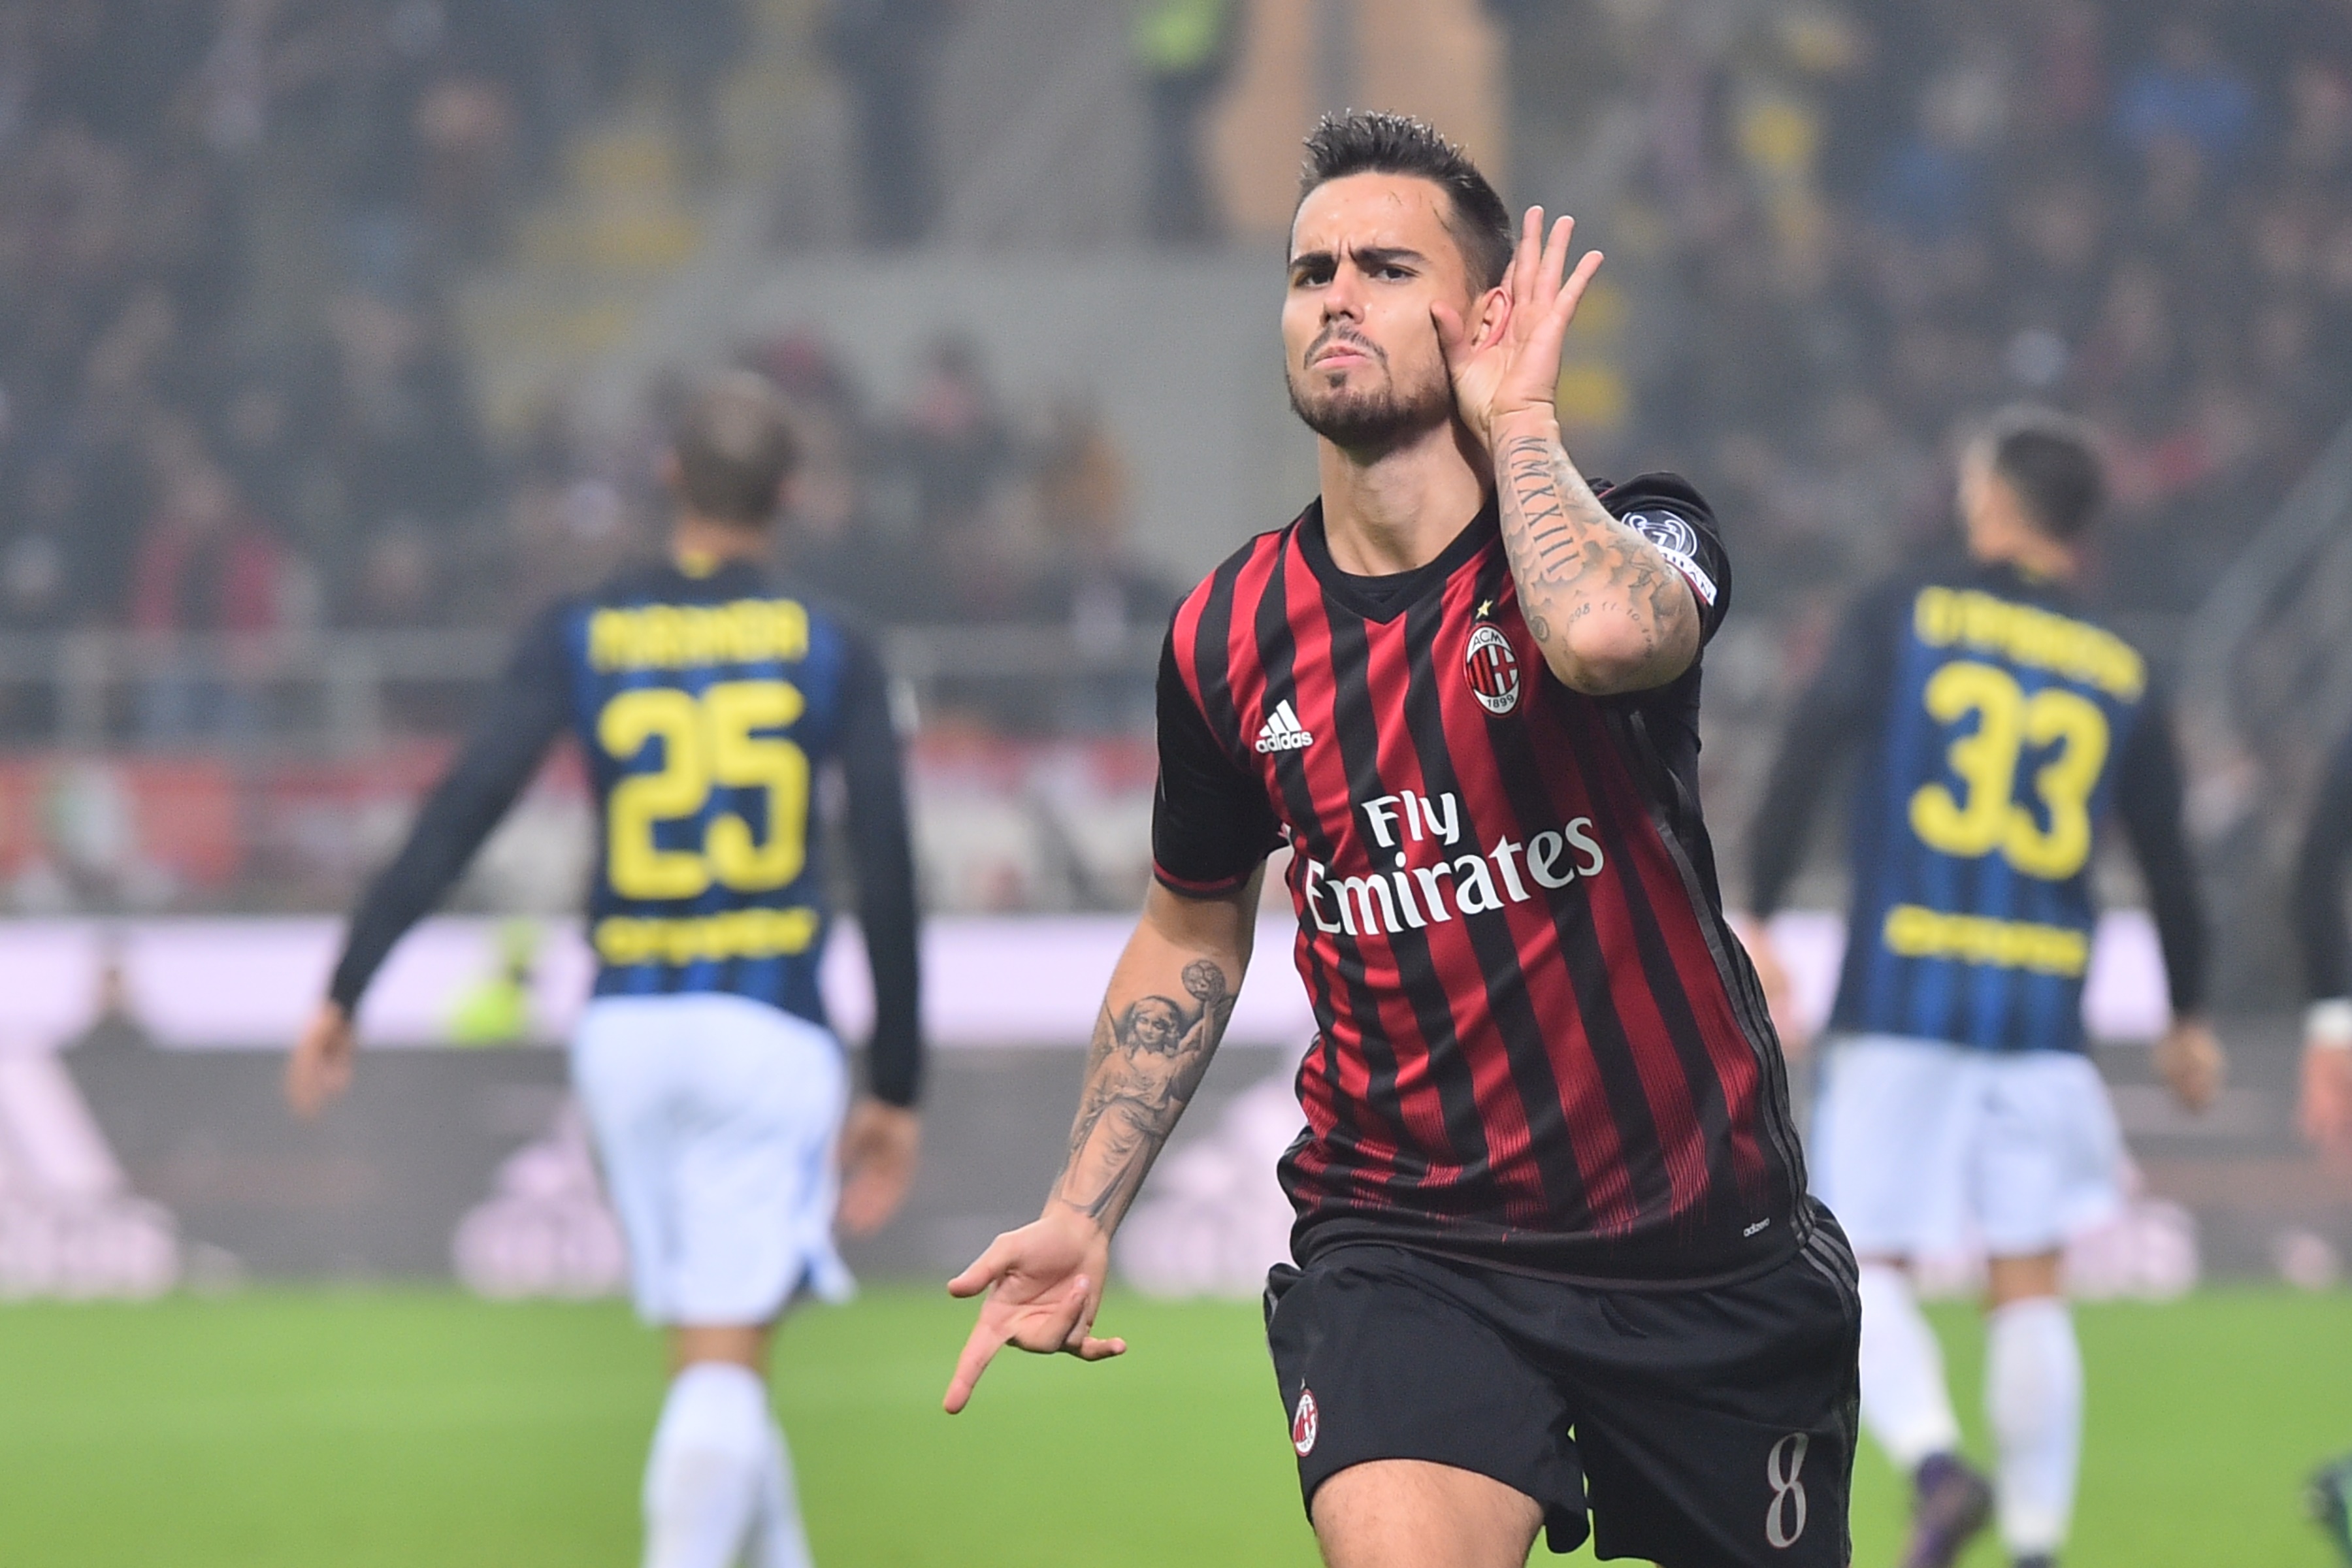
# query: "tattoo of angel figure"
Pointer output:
{"type": "Point", "coordinates": [1147, 1062]}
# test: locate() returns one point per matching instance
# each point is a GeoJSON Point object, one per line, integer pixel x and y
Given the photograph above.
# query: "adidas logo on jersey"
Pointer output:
{"type": "Point", "coordinates": [1283, 732]}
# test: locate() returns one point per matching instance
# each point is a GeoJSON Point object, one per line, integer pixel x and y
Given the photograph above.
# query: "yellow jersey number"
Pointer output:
{"type": "Point", "coordinates": [1986, 816]}
{"type": "Point", "coordinates": [707, 743]}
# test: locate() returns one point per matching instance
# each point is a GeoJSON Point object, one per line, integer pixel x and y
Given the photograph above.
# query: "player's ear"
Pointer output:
{"type": "Point", "coordinates": [1494, 315]}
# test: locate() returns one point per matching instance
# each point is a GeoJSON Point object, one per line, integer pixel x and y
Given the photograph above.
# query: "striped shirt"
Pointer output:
{"type": "Point", "coordinates": [1539, 1045]}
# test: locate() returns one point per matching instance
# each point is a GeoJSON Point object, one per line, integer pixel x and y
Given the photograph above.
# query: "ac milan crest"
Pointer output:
{"type": "Point", "coordinates": [1492, 668]}
{"type": "Point", "coordinates": [1304, 1425]}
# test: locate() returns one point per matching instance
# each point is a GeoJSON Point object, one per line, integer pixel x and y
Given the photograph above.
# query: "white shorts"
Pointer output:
{"type": "Point", "coordinates": [716, 1119]}
{"type": "Point", "coordinates": [1921, 1147]}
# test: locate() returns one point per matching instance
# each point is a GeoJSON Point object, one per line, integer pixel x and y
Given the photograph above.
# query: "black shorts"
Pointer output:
{"type": "Point", "coordinates": [1703, 1427]}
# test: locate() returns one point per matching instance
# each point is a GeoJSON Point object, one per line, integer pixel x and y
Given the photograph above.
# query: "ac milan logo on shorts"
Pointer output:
{"type": "Point", "coordinates": [1492, 668]}
{"type": "Point", "coordinates": [1304, 1425]}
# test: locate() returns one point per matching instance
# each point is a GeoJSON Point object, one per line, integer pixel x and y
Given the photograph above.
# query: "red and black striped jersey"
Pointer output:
{"type": "Point", "coordinates": [1540, 1044]}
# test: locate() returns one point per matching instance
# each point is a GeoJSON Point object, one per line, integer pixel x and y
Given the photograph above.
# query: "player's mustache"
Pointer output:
{"type": "Point", "coordinates": [1339, 332]}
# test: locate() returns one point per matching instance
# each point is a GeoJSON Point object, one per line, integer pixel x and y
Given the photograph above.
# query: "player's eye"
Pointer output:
{"type": "Point", "coordinates": [1310, 274]}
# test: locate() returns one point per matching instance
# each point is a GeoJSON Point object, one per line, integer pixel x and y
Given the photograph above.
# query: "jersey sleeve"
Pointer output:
{"type": "Point", "coordinates": [526, 712]}
{"type": "Point", "coordinates": [1667, 510]}
{"type": "Point", "coordinates": [2149, 794]}
{"type": "Point", "coordinates": [882, 846]}
{"type": "Point", "coordinates": [2319, 925]}
{"type": "Point", "coordinates": [1844, 702]}
{"type": "Point", "coordinates": [1212, 825]}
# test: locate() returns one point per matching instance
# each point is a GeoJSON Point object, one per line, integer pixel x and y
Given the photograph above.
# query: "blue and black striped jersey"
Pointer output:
{"type": "Point", "coordinates": [1997, 726]}
{"type": "Point", "coordinates": [706, 706]}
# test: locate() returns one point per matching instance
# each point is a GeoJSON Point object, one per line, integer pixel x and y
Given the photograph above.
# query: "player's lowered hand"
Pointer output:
{"type": "Point", "coordinates": [2192, 1062]}
{"type": "Point", "coordinates": [1780, 994]}
{"type": "Point", "coordinates": [320, 1067]}
{"type": "Point", "coordinates": [2326, 1112]}
{"type": "Point", "coordinates": [1509, 365]}
{"type": "Point", "coordinates": [1044, 1286]}
{"type": "Point", "coordinates": [880, 1145]}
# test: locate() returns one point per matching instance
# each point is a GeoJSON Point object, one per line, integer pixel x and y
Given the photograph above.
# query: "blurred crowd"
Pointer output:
{"type": "Point", "coordinates": [231, 395]}
{"type": "Point", "coordinates": [1876, 220]}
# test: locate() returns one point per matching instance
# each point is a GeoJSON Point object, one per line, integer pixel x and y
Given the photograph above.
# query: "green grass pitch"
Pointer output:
{"type": "Point", "coordinates": [304, 1430]}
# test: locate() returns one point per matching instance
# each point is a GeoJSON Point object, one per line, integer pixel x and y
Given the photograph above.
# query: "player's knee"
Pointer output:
{"type": "Point", "coordinates": [1410, 1513]}
{"type": "Point", "coordinates": [2021, 1278]}
{"type": "Point", "coordinates": [727, 1344]}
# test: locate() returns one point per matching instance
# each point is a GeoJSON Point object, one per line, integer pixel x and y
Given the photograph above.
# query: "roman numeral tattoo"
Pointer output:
{"type": "Point", "coordinates": [1142, 1069]}
{"type": "Point", "coordinates": [1571, 559]}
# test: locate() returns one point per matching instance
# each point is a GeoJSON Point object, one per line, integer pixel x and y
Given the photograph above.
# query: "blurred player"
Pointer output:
{"type": "Point", "coordinates": [708, 700]}
{"type": "Point", "coordinates": [1548, 1177]}
{"type": "Point", "coordinates": [2327, 1110]}
{"type": "Point", "coordinates": [2326, 1113]}
{"type": "Point", "coordinates": [1996, 725]}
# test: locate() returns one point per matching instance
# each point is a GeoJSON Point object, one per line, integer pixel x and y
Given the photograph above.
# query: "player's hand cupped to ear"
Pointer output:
{"type": "Point", "coordinates": [1507, 362]}
{"type": "Point", "coordinates": [880, 1146]}
{"type": "Point", "coordinates": [319, 1068]}
{"type": "Point", "coordinates": [1044, 1286]}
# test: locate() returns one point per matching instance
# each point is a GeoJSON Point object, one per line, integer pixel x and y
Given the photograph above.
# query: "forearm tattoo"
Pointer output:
{"type": "Point", "coordinates": [1571, 559]}
{"type": "Point", "coordinates": [1145, 1062]}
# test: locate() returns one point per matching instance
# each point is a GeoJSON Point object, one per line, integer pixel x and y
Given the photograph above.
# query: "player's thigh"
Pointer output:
{"type": "Point", "coordinates": [1380, 1356]}
{"type": "Point", "coordinates": [2048, 1157]}
{"type": "Point", "coordinates": [1890, 1135]}
{"type": "Point", "coordinates": [754, 1185]}
{"type": "Point", "coordinates": [1718, 1426]}
{"type": "Point", "coordinates": [624, 1057]}
{"type": "Point", "coordinates": [1409, 1513]}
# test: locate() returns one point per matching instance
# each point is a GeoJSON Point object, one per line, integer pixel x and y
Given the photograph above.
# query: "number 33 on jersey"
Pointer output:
{"type": "Point", "coordinates": [1975, 905]}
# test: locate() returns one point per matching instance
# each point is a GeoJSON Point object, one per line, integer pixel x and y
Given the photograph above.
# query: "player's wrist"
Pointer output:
{"type": "Point", "coordinates": [1534, 420]}
{"type": "Point", "coordinates": [2327, 1024]}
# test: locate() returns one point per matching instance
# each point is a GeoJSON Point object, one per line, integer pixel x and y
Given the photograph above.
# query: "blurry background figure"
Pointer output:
{"type": "Point", "coordinates": [1094, 585]}
{"type": "Point", "coordinates": [887, 52]}
{"type": "Point", "coordinates": [208, 587]}
{"type": "Point", "coordinates": [1184, 49]}
{"type": "Point", "coordinates": [956, 450]}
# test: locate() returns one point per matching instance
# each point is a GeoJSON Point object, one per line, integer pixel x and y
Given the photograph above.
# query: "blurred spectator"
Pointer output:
{"type": "Point", "coordinates": [206, 568]}
{"type": "Point", "coordinates": [886, 53]}
{"type": "Point", "coordinates": [956, 449]}
{"type": "Point", "coordinates": [1093, 584]}
{"type": "Point", "coordinates": [2187, 94]}
{"type": "Point", "coordinates": [1184, 49]}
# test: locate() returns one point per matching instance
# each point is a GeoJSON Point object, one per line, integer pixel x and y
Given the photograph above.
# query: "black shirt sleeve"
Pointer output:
{"type": "Point", "coordinates": [881, 846]}
{"type": "Point", "coordinates": [1844, 702]}
{"type": "Point", "coordinates": [526, 710]}
{"type": "Point", "coordinates": [1667, 510]}
{"type": "Point", "coordinates": [2319, 925]}
{"type": "Point", "coordinates": [2148, 793]}
{"type": "Point", "coordinates": [1212, 826]}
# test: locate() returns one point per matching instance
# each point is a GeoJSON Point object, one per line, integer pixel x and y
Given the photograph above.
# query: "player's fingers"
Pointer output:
{"type": "Point", "coordinates": [1555, 259]}
{"type": "Point", "coordinates": [978, 1351]}
{"type": "Point", "coordinates": [1453, 338]}
{"type": "Point", "coordinates": [1098, 1350]}
{"type": "Point", "coordinates": [1571, 293]}
{"type": "Point", "coordinates": [1528, 256]}
{"type": "Point", "coordinates": [985, 1270]}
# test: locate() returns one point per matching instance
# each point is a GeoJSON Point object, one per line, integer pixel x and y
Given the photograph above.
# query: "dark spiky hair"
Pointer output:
{"type": "Point", "coordinates": [1366, 143]}
{"type": "Point", "coordinates": [2052, 461]}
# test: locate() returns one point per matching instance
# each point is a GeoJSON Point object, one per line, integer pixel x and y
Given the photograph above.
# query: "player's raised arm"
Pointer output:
{"type": "Point", "coordinates": [525, 712]}
{"type": "Point", "coordinates": [1166, 1009]}
{"type": "Point", "coordinates": [1611, 613]}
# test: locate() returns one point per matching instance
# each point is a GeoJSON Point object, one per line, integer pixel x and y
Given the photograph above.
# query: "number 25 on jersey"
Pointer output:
{"type": "Point", "coordinates": [1986, 815]}
{"type": "Point", "coordinates": [707, 743]}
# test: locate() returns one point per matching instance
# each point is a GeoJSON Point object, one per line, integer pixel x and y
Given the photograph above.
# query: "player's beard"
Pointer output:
{"type": "Point", "coordinates": [1372, 420]}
